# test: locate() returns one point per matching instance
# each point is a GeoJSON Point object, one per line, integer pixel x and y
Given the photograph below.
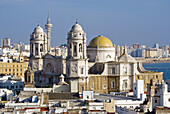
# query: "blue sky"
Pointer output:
{"type": "Point", "coordinates": [122, 21]}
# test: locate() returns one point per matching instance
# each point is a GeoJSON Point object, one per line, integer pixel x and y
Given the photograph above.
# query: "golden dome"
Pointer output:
{"type": "Point", "coordinates": [100, 41]}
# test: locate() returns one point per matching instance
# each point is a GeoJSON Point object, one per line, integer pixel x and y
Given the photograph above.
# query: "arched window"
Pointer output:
{"type": "Point", "coordinates": [80, 47]}
{"type": "Point", "coordinates": [41, 47]}
{"type": "Point", "coordinates": [49, 68]}
{"type": "Point", "coordinates": [75, 50]}
{"type": "Point", "coordinates": [36, 49]}
{"type": "Point", "coordinates": [29, 79]}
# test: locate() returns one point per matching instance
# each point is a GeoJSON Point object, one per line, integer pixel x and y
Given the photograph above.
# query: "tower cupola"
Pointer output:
{"type": "Point", "coordinates": [76, 42]}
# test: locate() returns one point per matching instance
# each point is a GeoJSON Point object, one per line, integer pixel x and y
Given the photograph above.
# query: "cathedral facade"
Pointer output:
{"type": "Point", "coordinates": [98, 66]}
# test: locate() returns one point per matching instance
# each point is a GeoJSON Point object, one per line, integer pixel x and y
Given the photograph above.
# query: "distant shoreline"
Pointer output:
{"type": "Point", "coordinates": [153, 60]}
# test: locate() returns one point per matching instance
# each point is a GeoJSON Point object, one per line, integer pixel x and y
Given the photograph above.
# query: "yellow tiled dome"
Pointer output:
{"type": "Point", "coordinates": [101, 41]}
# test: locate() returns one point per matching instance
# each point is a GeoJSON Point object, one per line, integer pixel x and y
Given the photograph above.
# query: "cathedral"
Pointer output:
{"type": "Point", "coordinates": [99, 66]}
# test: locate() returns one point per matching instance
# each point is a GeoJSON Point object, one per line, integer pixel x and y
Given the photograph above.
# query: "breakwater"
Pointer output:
{"type": "Point", "coordinates": [154, 60]}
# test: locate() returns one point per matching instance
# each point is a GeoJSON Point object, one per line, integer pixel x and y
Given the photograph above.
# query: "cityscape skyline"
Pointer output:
{"type": "Point", "coordinates": [123, 22]}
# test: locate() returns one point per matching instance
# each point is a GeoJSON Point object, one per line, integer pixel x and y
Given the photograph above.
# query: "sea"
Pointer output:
{"type": "Point", "coordinates": [160, 67]}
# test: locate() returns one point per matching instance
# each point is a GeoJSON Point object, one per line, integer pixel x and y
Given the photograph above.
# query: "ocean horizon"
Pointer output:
{"type": "Point", "coordinates": [159, 67]}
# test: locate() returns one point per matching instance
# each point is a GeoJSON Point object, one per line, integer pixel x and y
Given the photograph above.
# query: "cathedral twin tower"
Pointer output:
{"type": "Point", "coordinates": [40, 44]}
{"type": "Point", "coordinates": [76, 61]}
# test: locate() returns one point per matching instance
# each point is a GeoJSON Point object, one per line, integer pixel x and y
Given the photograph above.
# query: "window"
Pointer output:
{"type": "Point", "coordinates": [13, 69]}
{"type": "Point", "coordinates": [41, 47]}
{"type": "Point", "coordinates": [156, 76]}
{"type": "Point", "coordinates": [75, 50]}
{"type": "Point", "coordinates": [6, 70]}
{"type": "Point", "coordinates": [29, 79]}
{"type": "Point", "coordinates": [80, 47]}
{"type": "Point", "coordinates": [155, 100]}
{"type": "Point", "coordinates": [16, 86]}
{"type": "Point", "coordinates": [17, 69]}
{"type": "Point", "coordinates": [113, 70]}
{"type": "Point", "coordinates": [21, 69]}
{"type": "Point", "coordinates": [21, 65]}
{"type": "Point", "coordinates": [17, 74]}
{"type": "Point", "coordinates": [21, 74]}
{"type": "Point", "coordinates": [91, 78]}
{"type": "Point", "coordinates": [112, 84]}
{"type": "Point", "coordinates": [82, 70]}
{"type": "Point", "coordinates": [138, 77]}
{"type": "Point", "coordinates": [9, 69]}
{"type": "Point", "coordinates": [104, 78]}
{"type": "Point", "coordinates": [36, 48]}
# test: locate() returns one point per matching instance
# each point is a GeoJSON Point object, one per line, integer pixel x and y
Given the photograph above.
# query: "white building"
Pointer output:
{"type": "Point", "coordinates": [5, 59]}
{"type": "Point", "coordinates": [138, 90]}
{"type": "Point", "coordinates": [5, 94]}
{"type": "Point", "coordinates": [157, 95]}
{"type": "Point", "coordinates": [12, 83]}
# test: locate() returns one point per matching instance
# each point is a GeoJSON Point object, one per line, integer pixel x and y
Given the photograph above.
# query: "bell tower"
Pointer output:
{"type": "Point", "coordinates": [38, 48]}
{"type": "Point", "coordinates": [77, 62]}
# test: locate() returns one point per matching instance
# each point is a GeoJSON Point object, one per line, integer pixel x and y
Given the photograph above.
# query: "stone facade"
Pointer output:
{"type": "Point", "coordinates": [98, 66]}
